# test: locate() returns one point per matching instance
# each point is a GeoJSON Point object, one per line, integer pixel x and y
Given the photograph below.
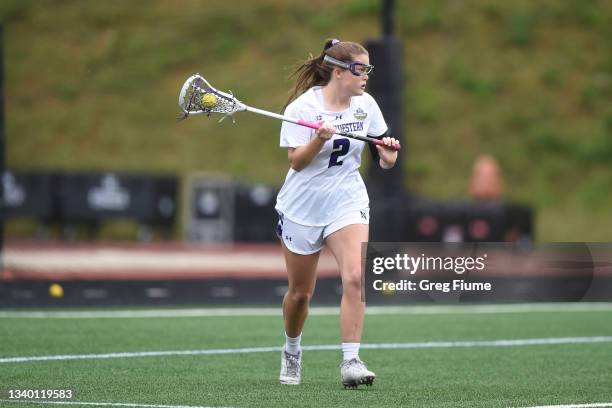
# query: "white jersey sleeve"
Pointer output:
{"type": "Point", "coordinates": [293, 135]}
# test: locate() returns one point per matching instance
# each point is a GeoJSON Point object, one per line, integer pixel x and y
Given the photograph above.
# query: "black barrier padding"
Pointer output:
{"type": "Point", "coordinates": [519, 222]}
{"type": "Point", "coordinates": [388, 218]}
{"type": "Point", "coordinates": [163, 208]}
{"type": "Point", "coordinates": [255, 217]}
{"type": "Point", "coordinates": [424, 221]}
{"type": "Point", "coordinates": [463, 221]}
{"type": "Point", "coordinates": [97, 197]}
{"type": "Point", "coordinates": [29, 194]}
{"type": "Point", "coordinates": [91, 198]}
{"type": "Point", "coordinates": [477, 221]}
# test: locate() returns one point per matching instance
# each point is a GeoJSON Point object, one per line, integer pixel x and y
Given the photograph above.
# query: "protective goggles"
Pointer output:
{"type": "Point", "coordinates": [356, 68]}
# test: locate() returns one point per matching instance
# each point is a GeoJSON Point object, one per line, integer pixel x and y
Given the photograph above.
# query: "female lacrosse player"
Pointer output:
{"type": "Point", "coordinates": [324, 200]}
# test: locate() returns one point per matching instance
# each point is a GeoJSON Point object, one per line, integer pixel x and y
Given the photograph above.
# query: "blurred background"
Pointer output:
{"type": "Point", "coordinates": [503, 110]}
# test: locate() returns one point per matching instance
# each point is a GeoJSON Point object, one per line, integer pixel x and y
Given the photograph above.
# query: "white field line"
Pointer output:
{"type": "Point", "coordinates": [320, 311]}
{"type": "Point", "coordinates": [103, 404]}
{"type": "Point", "coordinates": [379, 346]}
{"type": "Point", "coordinates": [593, 405]}
{"type": "Point", "coordinates": [135, 405]}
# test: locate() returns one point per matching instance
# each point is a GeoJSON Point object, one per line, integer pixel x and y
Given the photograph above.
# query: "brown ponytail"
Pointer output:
{"type": "Point", "coordinates": [315, 72]}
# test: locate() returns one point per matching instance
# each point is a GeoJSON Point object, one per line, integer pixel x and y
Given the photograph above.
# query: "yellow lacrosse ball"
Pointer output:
{"type": "Point", "coordinates": [209, 101]}
{"type": "Point", "coordinates": [56, 290]}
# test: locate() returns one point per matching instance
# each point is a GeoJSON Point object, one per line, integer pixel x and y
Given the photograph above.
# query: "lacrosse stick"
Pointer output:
{"type": "Point", "coordinates": [198, 96]}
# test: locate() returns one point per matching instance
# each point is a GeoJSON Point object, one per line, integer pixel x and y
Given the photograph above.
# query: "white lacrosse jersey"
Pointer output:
{"type": "Point", "coordinates": [331, 184]}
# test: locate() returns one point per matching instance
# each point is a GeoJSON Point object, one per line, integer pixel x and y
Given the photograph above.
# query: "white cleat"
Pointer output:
{"type": "Point", "coordinates": [291, 368]}
{"type": "Point", "coordinates": [355, 373]}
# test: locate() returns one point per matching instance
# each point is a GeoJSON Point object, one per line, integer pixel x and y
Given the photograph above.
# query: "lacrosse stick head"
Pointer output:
{"type": "Point", "coordinates": [198, 96]}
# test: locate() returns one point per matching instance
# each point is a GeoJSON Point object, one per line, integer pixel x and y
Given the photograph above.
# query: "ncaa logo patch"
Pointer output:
{"type": "Point", "coordinates": [360, 114]}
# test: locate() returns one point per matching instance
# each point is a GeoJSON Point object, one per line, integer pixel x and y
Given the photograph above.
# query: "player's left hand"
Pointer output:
{"type": "Point", "coordinates": [387, 154]}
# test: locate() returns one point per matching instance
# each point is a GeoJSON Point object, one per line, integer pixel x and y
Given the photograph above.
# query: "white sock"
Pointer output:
{"type": "Point", "coordinates": [292, 344]}
{"type": "Point", "coordinates": [350, 350]}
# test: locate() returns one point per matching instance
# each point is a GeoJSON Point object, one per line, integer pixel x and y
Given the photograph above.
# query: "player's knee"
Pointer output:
{"type": "Point", "coordinates": [351, 282]}
{"type": "Point", "coordinates": [299, 297]}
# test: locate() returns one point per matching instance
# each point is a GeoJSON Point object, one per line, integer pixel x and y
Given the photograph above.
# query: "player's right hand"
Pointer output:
{"type": "Point", "coordinates": [326, 131]}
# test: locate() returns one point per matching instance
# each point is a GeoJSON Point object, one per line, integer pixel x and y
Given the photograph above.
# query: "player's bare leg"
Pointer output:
{"type": "Point", "coordinates": [346, 245]}
{"type": "Point", "coordinates": [301, 271]}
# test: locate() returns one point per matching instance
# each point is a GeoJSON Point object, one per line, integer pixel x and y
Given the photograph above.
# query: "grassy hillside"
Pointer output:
{"type": "Point", "coordinates": [94, 85]}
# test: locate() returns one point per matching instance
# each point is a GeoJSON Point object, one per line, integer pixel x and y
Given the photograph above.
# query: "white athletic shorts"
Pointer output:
{"type": "Point", "coordinates": [305, 240]}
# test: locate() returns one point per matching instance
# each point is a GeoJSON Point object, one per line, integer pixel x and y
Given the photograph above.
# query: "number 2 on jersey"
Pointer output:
{"type": "Point", "coordinates": [341, 147]}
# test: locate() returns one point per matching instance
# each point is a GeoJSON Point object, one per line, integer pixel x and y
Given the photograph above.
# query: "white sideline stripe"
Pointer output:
{"type": "Point", "coordinates": [112, 260]}
{"type": "Point", "coordinates": [117, 260]}
{"type": "Point", "coordinates": [105, 404]}
{"type": "Point", "coordinates": [593, 405]}
{"type": "Point", "coordinates": [319, 311]}
{"type": "Point", "coordinates": [380, 346]}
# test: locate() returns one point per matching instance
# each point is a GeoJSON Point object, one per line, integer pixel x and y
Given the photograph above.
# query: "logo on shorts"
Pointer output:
{"type": "Point", "coordinates": [288, 238]}
{"type": "Point", "coordinates": [279, 229]}
{"type": "Point", "coordinates": [279, 225]}
{"type": "Point", "coordinates": [364, 215]}
{"type": "Point", "coordinates": [360, 114]}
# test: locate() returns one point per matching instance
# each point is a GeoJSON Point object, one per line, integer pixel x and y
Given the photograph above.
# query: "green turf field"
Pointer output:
{"type": "Point", "coordinates": [445, 376]}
